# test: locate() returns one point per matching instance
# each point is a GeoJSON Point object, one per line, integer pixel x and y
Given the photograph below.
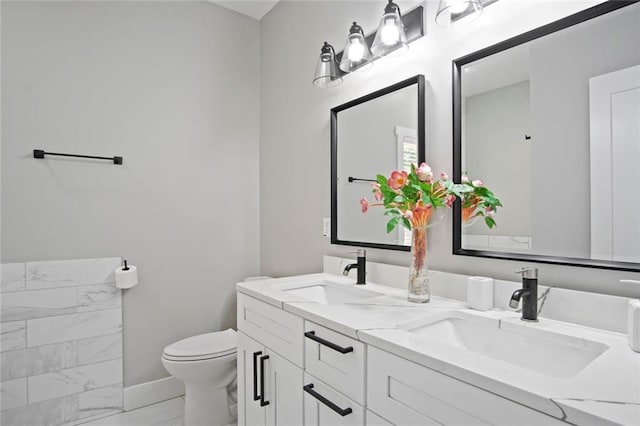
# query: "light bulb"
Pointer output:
{"type": "Point", "coordinates": [356, 50]}
{"type": "Point", "coordinates": [389, 33]}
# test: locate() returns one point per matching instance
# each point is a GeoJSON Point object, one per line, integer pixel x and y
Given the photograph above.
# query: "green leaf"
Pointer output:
{"type": "Point", "coordinates": [406, 223]}
{"type": "Point", "coordinates": [462, 188]}
{"type": "Point", "coordinates": [392, 224]}
{"type": "Point", "coordinates": [489, 221]}
{"type": "Point", "coordinates": [437, 202]}
{"type": "Point", "coordinates": [482, 191]}
{"type": "Point", "coordinates": [398, 199]}
{"type": "Point", "coordinates": [393, 212]}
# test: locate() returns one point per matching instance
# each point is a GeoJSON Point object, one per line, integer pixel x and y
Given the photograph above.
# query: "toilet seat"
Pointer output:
{"type": "Point", "coordinates": [203, 346]}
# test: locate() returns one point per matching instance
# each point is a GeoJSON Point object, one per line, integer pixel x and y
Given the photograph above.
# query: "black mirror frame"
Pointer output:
{"type": "Point", "coordinates": [419, 80]}
{"type": "Point", "coordinates": [560, 24]}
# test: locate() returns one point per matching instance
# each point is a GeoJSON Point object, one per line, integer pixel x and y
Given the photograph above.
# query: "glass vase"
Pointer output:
{"type": "Point", "coordinates": [419, 290]}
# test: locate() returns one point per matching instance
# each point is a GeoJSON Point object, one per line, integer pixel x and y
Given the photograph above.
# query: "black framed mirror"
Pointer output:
{"type": "Point", "coordinates": [374, 134]}
{"type": "Point", "coordinates": [549, 120]}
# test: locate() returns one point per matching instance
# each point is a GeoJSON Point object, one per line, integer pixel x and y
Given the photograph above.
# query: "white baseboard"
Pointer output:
{"type": "Point", "coordinates": [152, 392]}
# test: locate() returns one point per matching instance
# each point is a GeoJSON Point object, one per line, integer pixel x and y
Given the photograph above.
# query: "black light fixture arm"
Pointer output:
{"type": "Point", "coordinates": [38, 153]}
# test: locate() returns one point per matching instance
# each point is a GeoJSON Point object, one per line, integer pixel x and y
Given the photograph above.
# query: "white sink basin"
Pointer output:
{"type": "Point", "coordinates": [330, 293]}
{"type": "Point", "coordinates": [550, 353]}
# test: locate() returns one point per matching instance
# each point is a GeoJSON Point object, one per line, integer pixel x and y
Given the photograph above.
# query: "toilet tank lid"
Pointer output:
{"type": "Point", "coordinates": [219, 342]}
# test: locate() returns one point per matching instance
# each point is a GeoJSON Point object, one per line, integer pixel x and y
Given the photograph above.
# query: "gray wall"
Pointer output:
{"type": "Point", "coordinates": [164, 85]}
{"type": "Point", "coordinates": [367, 147]}
{"type": "Point", "coordinates": [497, 122]}
{"type": "Point", "coordinates": [295, 139]}
{"type": "Point", "coordinates": [560, 68]}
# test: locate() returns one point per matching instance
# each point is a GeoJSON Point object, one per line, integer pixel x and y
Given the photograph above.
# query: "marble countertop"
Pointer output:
{"type": "Point", "coordinates": [606, 391]}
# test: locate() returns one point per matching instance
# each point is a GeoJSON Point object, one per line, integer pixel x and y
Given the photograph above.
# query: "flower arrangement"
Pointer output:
{"type": "Point", "coordinates": [411, 198]}
{"type": "Point", "coordinates": [478, 201]}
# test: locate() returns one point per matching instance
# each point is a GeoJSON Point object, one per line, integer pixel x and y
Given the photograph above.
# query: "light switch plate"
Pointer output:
{"type": "Point", "coordinates": [326, 226]}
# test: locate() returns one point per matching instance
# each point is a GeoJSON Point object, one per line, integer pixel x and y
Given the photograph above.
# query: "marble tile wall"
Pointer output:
{"type": "Point", "coordinates": [60, 341]}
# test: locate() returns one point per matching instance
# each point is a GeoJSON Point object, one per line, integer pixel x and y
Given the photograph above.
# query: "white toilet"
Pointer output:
{"type": "Point", "coordinates": [206, 363]}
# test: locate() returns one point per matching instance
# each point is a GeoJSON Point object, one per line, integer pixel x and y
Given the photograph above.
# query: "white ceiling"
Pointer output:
{"type": "Point", "coordinates": [255, 9]}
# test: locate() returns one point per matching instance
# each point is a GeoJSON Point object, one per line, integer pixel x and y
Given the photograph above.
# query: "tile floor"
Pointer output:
{"type": "Point", "coordinates": [166, 413]}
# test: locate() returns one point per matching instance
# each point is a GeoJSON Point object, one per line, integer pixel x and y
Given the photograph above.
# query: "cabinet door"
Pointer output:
{"type": "Point", "coordinates": [250, 413]}
{"type": "Point", "coordinates": [283, 391]}
{"type": "Point", "coordinates": [374, 420]}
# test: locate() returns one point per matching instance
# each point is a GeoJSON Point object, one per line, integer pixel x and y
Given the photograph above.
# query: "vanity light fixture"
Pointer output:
{"type": "Point", "coordinates": [452, 13]}
{"type": "Point", "coordinates": [394, 35]}
{"type": "Point", "coordinates": [356, 54]}
{"type": "Point", "coordinates": [390, 36]}
{"type": "Point", "coordinates": [327, 73]}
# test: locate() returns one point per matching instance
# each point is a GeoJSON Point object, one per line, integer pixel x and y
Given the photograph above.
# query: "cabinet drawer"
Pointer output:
{"type": "Point", "coordinates": [278, 330]}
{"type": "Point", "coordinates": [323, 406]}
{"type": "Point", "coordinates": [406, 393]}
{"type": "Point", "coordinates": [325, 360]}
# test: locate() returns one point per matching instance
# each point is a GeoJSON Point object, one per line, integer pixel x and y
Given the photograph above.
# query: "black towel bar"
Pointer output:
{"type": "Point", "coordinates": [38, 153]}
{"type": "Point", "coordinates": [355, 179]}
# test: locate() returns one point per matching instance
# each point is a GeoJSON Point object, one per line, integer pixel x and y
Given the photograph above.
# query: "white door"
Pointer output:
{"type": "Point", "coordinates": [283, 392]}
{"type": "Point", "coordinates": [615, 155]}
{"type": "Point", "coordinates": [250, 413]}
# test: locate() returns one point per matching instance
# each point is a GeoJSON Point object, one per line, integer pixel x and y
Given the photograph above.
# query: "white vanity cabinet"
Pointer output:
{"type": "Point", "coordinates": [372, 419]}
{"type": "Point", "coordinates": [295, 372]}
{"type": "Point", "coordinates": [406, 393]}
{"type": "Point", "coordinates": [269, 381]}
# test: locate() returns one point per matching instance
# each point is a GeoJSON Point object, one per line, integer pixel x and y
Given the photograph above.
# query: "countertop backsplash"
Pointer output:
{"type": "Point", "coordinates": [578, 307]}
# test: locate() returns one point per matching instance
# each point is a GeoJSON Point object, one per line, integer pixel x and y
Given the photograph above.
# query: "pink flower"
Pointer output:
{"type": "Point", "coordinates": [376, 192]}
{"type": "Point", "coordinates": [397, 180]}
{"type": "Point", "coordinates": [477, 182]}
{"type": "Point", "coordinates": [364, 203]}
{"type": "Point", "coordinates": [408, 214]}
{"type": "Point", "coordinates": [424, 173]}
{"type": "Point", "coordinates": [450, 200]}
{"type": "Point", "coordinates": [444, 176]}
{"type": "Point", "coordinates": [490, 211]}
{"type": "Point", "coordinates": [465, 179]}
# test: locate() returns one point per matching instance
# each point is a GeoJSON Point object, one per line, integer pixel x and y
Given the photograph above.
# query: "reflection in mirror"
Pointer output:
{"type": "Point", "coordinates": [375, 134]}
{"type": "Point", "coordinates": [550, 119]}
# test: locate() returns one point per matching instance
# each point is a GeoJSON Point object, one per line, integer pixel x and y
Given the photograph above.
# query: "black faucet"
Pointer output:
{"type": "Point", "coordinates": [528, 293]}
{"type": "Point", "coordinates": [360, 265]}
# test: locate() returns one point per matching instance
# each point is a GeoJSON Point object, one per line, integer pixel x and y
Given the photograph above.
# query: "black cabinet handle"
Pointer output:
{"type": "Point", "coordinates": [343, 350]}
{"type": "Point", "coordinates": [342, 411]}
{"type": "Point", "coordinates": [263, 402]}
{"type": "Point", "coordinates": [255, 375]}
